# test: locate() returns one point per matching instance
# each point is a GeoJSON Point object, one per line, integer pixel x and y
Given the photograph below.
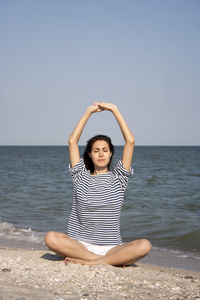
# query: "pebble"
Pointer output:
{"type": "Point", "coordinates": [6, 270]}
{"type": "Point", "coordinates": [189, 277]}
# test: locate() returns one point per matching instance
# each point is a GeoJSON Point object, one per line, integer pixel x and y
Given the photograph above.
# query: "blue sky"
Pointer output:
{"type": "Point", "coordinates": [59, 56]}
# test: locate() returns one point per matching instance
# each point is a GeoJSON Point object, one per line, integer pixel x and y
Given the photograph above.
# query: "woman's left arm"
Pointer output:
{"type": "Point", "coordinates": [127, 134]}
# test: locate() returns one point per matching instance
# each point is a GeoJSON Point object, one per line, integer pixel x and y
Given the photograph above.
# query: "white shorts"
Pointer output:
{"type": "Point", "coordinates": [97, 249]}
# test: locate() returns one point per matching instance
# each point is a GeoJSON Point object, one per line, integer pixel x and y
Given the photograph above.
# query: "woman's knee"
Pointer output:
{"type": "Point", "coordinates": [50, 238]}
{"type": "Point", "coordinates": [145, 246]}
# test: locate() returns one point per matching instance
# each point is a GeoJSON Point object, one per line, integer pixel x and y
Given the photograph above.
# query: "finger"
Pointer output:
{"type": "Point", "coordinates": [104, 105]}
{"type": "Point", "coordinates": [94, 107]}
{"type": "Point", "coordinates": [97, 107]}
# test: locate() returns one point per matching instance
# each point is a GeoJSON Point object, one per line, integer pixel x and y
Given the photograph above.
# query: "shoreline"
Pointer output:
{"type": "Point", "coordinates": [41, 274]}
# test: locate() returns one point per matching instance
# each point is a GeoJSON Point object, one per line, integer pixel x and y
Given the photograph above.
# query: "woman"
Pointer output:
{"type": "Point", "coordinates": [94, 229]}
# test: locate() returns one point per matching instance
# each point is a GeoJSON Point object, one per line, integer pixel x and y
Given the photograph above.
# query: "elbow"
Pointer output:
{"type": "Point", "coordinates": [71, 141]}
{"type": "Point", "coordinates": [131, 141]}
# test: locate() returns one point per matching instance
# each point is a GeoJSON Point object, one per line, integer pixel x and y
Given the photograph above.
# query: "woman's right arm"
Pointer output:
{"type": "Point", "coordinates": [76, 134]}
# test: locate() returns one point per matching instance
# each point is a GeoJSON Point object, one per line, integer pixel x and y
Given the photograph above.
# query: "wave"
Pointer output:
{"type": "Point", "coordinates": [190, 238]}
{"type": "Point", "coordinates": [9, 232]}
{"type": "Point", "coordinates": [177, 253]}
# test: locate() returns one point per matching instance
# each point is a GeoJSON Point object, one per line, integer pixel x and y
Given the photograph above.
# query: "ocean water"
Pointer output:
{"type": "Point", "coordinates": [162, 201]}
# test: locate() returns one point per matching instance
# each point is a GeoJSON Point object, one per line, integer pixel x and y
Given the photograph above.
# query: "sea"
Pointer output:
{"type": "Point", "coordinates": [162, 201]}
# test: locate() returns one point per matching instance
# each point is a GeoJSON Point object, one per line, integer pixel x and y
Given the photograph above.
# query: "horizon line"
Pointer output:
{"type": "Point", "coordinates": [85, 145]}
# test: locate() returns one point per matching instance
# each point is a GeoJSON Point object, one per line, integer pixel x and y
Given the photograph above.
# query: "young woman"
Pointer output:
{"type": "Point", "coordinates": [94, 223]}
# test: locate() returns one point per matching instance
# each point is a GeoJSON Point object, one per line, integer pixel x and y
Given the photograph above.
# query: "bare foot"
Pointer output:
{"type": "Point", "coordinates": [82, 261]}
{"type": "Point", "coordinates": [88, 262]}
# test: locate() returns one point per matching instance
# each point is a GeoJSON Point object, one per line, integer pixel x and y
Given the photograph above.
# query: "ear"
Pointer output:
{"type": "Point", "coordinates": [89, 154]}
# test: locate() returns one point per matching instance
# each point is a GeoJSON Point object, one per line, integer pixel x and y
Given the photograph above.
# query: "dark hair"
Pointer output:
{"type": "Point", "coordinates": [87, 160]}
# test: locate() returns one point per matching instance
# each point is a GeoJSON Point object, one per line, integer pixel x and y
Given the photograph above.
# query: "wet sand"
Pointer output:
{"type": "Point", "coordinates": [27, 274]}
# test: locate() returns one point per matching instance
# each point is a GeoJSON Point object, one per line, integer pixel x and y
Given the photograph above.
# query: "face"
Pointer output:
{"type": "Point", "coordinates": [100, 155]}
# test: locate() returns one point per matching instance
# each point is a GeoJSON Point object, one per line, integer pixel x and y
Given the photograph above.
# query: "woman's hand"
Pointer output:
{"type": "Point", "coordinates": [94, 108]}
{"type": "Point", "coordinates": [105, 106]}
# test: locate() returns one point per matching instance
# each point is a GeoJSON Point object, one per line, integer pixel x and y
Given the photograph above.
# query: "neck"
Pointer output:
{"type": "Point", "coordinates": [100, 171]}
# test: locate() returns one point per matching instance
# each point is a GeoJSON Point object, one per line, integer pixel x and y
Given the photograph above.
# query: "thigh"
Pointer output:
{"type": "Point", "coordinates": [75, 242]}
{"type": "Point", "coordinates": [58, 240]}
{"type": "Point", "coordinates": [114, 249]}
{"type": "Point", "coordinates": [135, 250]}
{"type": "Point", "coordinates": [123, 246]}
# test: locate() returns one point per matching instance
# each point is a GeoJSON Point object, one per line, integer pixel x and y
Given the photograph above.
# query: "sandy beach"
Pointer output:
{"type": "Point", "coordinates": [28, 274]}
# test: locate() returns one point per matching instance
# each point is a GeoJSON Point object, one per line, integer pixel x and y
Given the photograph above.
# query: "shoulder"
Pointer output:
{"type": "Point", "coordinates": [77, 168]}
{"type": "Point", "coordinates": [78, 171]}
{"type": "Point", "coordinates": [122, 175]}
{"type": "Point", "coordinates": [120, 170]}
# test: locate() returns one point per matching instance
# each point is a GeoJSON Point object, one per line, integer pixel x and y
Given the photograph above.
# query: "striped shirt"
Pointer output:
{"type": "Point", "coordinates": [97, 202]}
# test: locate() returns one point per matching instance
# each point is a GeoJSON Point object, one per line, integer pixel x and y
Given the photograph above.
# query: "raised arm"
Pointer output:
{"type": "Point", "coordinates": [127, 134]}
{"type": "Point", "coordinates": [76, 134]}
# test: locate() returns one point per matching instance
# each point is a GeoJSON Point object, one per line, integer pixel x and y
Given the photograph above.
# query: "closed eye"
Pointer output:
{"type": "Point", "coordinates": [97, 150]}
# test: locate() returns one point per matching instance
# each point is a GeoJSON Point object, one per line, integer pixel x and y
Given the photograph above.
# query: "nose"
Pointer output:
{"type": "Point", "coordinates": [100, 153]}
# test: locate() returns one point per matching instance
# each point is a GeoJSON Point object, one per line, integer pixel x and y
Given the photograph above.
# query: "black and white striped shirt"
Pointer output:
{"type": "Point", "coordinates": [97, 202]}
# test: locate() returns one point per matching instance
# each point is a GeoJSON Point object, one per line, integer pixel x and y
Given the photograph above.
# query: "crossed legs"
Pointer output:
{"type": "Point", "coordinates": [74, 251]}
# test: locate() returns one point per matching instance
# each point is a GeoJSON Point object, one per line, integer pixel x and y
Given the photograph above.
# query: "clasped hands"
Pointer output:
{"type": "Point", "coordinates": [100, 106]}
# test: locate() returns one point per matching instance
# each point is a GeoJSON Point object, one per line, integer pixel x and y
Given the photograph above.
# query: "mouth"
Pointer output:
{"type": "Point", "coordinates": [101, 160]}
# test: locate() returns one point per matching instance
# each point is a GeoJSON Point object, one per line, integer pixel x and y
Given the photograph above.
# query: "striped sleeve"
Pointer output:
{"type": "Point", "coordinates": [122, 174]}
{"type": "Point", "coordinates": [77, 172]}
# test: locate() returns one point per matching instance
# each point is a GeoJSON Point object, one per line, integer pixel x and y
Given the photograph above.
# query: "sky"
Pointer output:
{"type": "Point", "coordinates": [57, 57]}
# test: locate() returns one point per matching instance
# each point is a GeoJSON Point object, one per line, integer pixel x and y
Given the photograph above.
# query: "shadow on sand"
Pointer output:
{"type": "Point", "coordinates": [50, 256]}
